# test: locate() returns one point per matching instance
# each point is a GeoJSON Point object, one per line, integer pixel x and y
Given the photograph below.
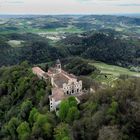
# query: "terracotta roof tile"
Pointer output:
{"type": "Point", "coordinates": [60, 79]}
{"type": "Point", "coordinates": [69, 75]}
{"type": "Point", "coordinates": [57, 94]}
{"type": "Point", "coordinates": [38, 71]}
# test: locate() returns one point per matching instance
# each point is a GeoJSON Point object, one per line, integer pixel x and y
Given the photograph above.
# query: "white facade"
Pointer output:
{"type": "Point", "coordinates": [54, 104]}
{"type": "Point", "coordinates": [64, 85]}
{"type": "Point", "coordinates": [72, 87]}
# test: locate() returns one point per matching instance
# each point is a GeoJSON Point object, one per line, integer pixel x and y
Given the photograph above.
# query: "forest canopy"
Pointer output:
{"type": "Point", "coordinates": [112, 113]}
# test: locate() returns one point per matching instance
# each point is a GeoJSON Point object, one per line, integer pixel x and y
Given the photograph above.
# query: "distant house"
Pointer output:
{"type": "Point", "coordinates": [63, 84]}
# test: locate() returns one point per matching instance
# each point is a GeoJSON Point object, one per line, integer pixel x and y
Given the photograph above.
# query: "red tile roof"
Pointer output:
{"type": "Point", "coordinates": [69, 75]}
{"type": "Point", "coordinates": [57, 94]}
{"type": "Point", "coordinates": [38, 71]}
{"type": "Point", "coordinates": [60, 79]}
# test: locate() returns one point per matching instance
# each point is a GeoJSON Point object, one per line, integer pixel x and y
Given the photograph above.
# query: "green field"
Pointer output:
{"type": "Point", "coordinates": [109, 73]}
{"type": "Point", "coordinates": [69, 29]}
{"type": "Point", "coordinates": [114, 70]}
{"type": "Point", "coordinates": [28, 29]}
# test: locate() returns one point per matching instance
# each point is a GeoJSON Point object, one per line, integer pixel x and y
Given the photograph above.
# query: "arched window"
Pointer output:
{"type": "Point", "coordinates": [67, 92]}
{"type": "Point", "coordinates": [77, 90]}
{"type": "Point", "coordinates": [72, 91]}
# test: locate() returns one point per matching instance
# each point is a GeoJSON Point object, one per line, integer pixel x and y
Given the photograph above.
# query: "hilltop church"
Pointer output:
{"type": "Point", "coordinates": [63, 84]}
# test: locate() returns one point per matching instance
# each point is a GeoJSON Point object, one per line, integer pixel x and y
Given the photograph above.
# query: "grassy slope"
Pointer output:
{"type": "Point", "coordinates": [110, 73]}
{"type": "Point", "coordinates": [114, 70]}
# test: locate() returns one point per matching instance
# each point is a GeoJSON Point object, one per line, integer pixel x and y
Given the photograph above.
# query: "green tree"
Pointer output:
{"type": "Point", "coordinates": [62, 132]}
{"type": "Point", "coordinates": [32, 115]}
{"type": "Point", "coordinates": [25, 109]}
{"type": "Point", "coordinates": [68, 110]}
{"type": "Point", "coordinates": [42, 125]}
{"type": "Point", "coordinates": [63, 110]}
{"type": "Point", "coordinates": [72, 101]}
{"type": "Point", "coordinates": [40, 93]}
{"type": "Point", "coordinates": [110, 133]}
{"type": "Point", "coordinates": [73, 114]}
{"type": "Point", "coordinates": [23, 131]}
{"type": "Point", "coordinates": [113, 109]}
{"type": "Point", "coordinates": [12, 126]}
{"type": "Point", "coordinates": [46, 67]}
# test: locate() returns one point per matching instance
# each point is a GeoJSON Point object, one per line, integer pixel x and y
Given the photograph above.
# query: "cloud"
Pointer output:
{"type": "Point", "coordinates": [15, 2]}
{"type": "Point", "coordinates": [129, 4]}
{"type": "Point", "coordinates": [69, 6]}
{"type": "Point", "coordinates": [122, 3]}
{"type": "Point", "coordinates": [11, 2]}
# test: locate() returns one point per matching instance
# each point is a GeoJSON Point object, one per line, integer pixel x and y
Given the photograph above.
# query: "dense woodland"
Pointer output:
{"type": "Point", "coordinates": [111, 113]}
{"type": "Point", "coordinates": [35, 50]}
{"type": "Point", "coordinates": [96, 46]}
{"type": "Point", "coordinates": [102, 47]}
{"type": "Point", "coordinates": [77, 66]}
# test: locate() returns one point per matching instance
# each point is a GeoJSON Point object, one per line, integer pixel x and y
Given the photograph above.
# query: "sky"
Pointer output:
{"type": "Point", "coordinates": [69, 6]}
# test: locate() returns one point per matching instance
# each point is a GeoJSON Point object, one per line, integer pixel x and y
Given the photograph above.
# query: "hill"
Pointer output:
{"type": "Point", "coordinates": [103, 47]}
{"type": "Point", "coordinates": [30, 47]}
{"type": "Point", "coordinates": [111, 113]}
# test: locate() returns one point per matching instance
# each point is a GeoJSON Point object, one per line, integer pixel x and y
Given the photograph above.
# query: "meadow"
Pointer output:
{"type": "Point", "coordinates": [109, 73]}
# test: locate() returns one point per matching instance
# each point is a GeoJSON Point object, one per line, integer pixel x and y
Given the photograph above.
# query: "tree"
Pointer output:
{"type": "Point", "coordinates": [40, 93]}
{"type": "Point", "coordinates": [113, 108]}
{"type": "Point", "coordinates": [63, 110]}
{"type": "Point", "coordinates": [12, 126]}
{"type": "Point", "coordinates": [42, 126]}
{"type": "Point", "coordinates": [62, 132]}
{"type": "Point", "coordinates": [109, 133]}
{"type": "Point", "coordinates": [72, 101]}
{"type": "Point", "coordinates": [73, 114]}
{"type": "Point", "coordinates": [25, 109]}
{"type": "Point", "coordinates": [47, 128]}
{"type": "Point", "coordinates": [46, 67]}
{"type": "Point", "coordinates": [23, 131]}
{"type": "Point", "coordinates": [68, 110]}
{"type": "Point", "coordinates": [32, 114]}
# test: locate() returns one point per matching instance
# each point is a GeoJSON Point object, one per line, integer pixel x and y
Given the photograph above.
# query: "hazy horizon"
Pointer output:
{"type": "Point", "coordinates": [70, 7]}
{"type": "Point", "coordinates": [68, 14]}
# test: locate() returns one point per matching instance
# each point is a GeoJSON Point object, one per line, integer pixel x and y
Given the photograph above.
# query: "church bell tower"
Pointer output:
{"type": "Point", "coordinates": [58, 66]}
